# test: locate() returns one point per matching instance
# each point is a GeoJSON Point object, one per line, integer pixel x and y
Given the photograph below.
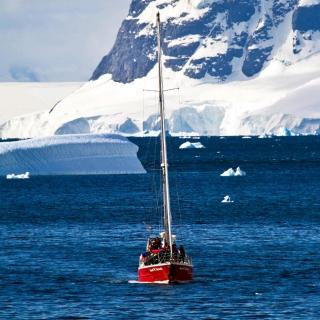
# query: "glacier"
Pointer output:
{"type": "Point", "coordinates": [76, 154]}
{"type": "Point", "coordinates": [250, 67]}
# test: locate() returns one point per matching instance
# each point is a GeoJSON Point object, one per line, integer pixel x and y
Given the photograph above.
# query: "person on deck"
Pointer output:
{"type": "Point", "coordinates": [182, 253]}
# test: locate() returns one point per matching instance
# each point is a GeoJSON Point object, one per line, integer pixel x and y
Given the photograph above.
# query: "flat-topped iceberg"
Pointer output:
{"type": "Point", "coordinates": [71, 154]}
{"type": "Point", "coordinates": [192, 145]}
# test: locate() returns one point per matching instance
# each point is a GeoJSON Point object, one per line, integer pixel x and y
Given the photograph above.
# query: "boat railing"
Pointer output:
{"type": "Point", "coordinates": [163, 257]}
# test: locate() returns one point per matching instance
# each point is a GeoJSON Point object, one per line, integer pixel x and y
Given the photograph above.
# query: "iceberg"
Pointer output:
{"type": "Point", "coordinates": [25, 175]}
{"type": "Point", "coordinates": [265, 136]}
{"type": "Point", "coordinates": [228, 173]}
{"type": "Point", "coordinates": [227, 199]}
{"type": "Point", "coordinates": [192, 145]}
{"type": "Point", "coordinates": [285, 132]}
{"type": "Point", "coordinates": [75, 154]}
{"type": "Point", "coordinates": [233, 173]}
{"type": "Point", "coordinates": [240, 173]}
{"type": "Point", "coordinates": [281, 132]}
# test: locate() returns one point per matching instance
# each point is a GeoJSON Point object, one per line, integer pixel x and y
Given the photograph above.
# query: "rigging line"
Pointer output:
{"type": "Point", "coordinates": [179, 206]}
{"type": "Point", "coordinates": [164, 90]}
{"type": "Point", "coordinates": [147, 217]}
{"type": "Point", "coordinates": [153, 189]}
{"type": "Point", "coordinates": [142, 124]}
{"type": "Point", "coordinates": [157, 159]}
{"type": "Point", "coordinates": [155, 185]}
{"type": "Point", "coordinates": [150, 209]}
{"type": "Point", "coordinates": [158, 189]}
{"type": "Point", "coordinates": [148, 147]}
{"type": "Point", "coordinates": [155, 182]}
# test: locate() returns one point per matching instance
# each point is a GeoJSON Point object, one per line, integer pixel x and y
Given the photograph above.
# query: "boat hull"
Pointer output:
{"type": "Point", "coordinates": [169, 272]}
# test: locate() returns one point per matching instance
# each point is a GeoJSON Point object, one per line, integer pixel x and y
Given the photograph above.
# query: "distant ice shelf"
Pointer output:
{"type": "Point", "coordinates": [71, 154]}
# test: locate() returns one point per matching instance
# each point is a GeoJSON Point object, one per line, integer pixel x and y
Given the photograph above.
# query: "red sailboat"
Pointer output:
{"type": "Point", "coordinates": [163, 261]}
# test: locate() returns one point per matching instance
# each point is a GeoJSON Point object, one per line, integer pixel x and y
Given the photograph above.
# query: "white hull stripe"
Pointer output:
{"type": "Point", "coordinates": [166, 264]}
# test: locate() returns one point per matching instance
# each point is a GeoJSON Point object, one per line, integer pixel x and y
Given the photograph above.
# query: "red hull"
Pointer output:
{"type": "Point", "coordinates": [169, 272]}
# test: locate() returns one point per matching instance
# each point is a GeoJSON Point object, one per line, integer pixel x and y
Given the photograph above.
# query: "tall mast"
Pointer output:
{"type": "Point", "coordinates": [164, 159]}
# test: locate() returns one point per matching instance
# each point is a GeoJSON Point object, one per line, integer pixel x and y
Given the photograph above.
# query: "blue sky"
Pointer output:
{"type": "Point", "coordinates": [56, 40]}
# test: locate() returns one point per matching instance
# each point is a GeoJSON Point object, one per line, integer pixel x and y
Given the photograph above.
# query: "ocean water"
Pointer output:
{"type": "Point", "coordinates": [69, 245]}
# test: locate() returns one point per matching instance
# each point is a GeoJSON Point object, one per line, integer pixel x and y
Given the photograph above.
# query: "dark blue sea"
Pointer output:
{"type": "Point", "coordinates": [69, 245]}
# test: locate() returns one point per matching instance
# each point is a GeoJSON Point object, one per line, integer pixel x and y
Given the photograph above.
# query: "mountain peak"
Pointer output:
{"type": "Point", "coordinates": [212, 38]}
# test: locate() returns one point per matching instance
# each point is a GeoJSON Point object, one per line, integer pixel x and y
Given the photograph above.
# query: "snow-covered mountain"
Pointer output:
{"type": "Point", "coordinates": [242, 66]}
{"type": "Point", "coordinates": [215, 38]}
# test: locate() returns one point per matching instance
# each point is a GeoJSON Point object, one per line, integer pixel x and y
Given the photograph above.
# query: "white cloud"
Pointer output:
{"type": "Point", "coordinates": [57, 40]}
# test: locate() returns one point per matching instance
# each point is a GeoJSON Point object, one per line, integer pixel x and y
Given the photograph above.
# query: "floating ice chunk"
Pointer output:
{"type": "Point", "coordinates": [228, 173]}
{"type": "Point", "coordinates": [25, 175]}
{"type": "Point", "coordinates": [265, 135]}
{"type": "Point", "coordinates": [233, 173]}
{"type": "Point", "coordinates": [71, 154]}
{"type": "Point", "coordinates": [239, 172]}
{"type": "Point", "coordinates": [246, 137]}
{"type": "Point", "coordinates": [284, 132]}
{"type": "Point", "coordinates": [192, 145]}
{"type": "Point", "coordinates": [227, 199]}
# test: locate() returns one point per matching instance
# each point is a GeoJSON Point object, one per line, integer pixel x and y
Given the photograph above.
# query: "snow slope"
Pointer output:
{"type": "Point", "coordinates": [288, 95]}
{"type": "Point", "coordinates": [21, 98]}
{"type": "Point", "coordinates": [70, 154]}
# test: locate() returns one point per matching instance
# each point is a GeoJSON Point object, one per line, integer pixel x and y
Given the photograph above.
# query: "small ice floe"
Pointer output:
{"type": "Point", "coordinates": [233, 173]}
{"type": "Point", "coordinates": [192, 145]}
{"type": "Point", "coordinates": [25, 175]}
{"type": "Point", "coordinates": [246, 137]}
{"type": "Point", "coordinates": [227, 199]}
{"type": "Point", "coordinates": [265, 136]}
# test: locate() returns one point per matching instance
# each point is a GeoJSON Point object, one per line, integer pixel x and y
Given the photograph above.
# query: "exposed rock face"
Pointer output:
{"type": "Point", "coordinates": [209, 38]}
